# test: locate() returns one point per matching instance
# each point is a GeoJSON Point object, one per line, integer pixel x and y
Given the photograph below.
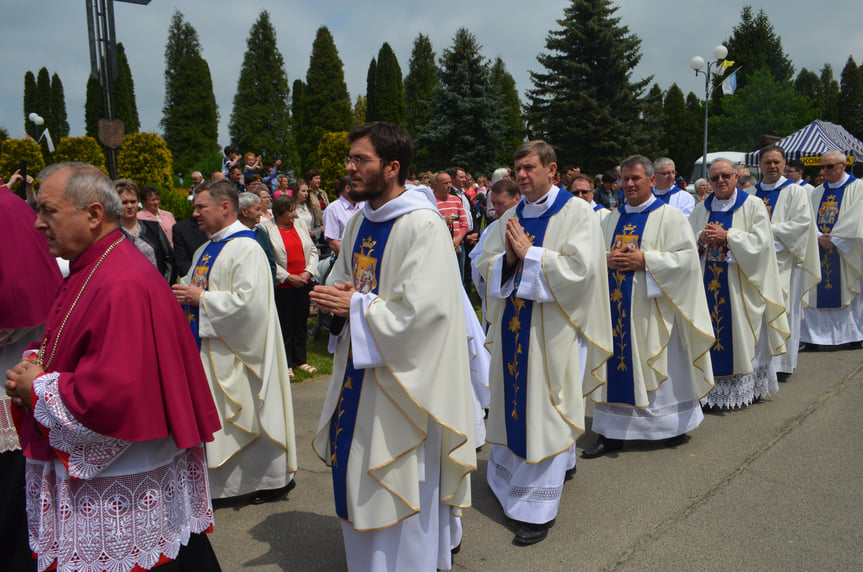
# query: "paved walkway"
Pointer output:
{"type": "Point", "coordinates": [776, 486]}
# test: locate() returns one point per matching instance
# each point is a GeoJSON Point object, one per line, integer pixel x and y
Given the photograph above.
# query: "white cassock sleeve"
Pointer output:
{"type": "Point", "coordinates": [363, 346]}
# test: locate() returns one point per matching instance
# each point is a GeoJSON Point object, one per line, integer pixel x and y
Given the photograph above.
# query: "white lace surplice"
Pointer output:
{"type": "Point", "coordinates": [110, 504]}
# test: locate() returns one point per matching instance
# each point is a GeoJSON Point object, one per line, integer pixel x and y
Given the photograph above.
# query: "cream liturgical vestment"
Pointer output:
{"type": "Point", "coordinates": [245, 362]}
{"type": "Point", "coordinates": [790, 210]}
{"type": "Point", "coordinates": [662, 330]}
{"type": "Point", "coordinates": [397, 423]}
{"type": "Point", "coordinates": [745, 299]}
{"type": "Point", "coordinates": [549, 335]}
{"type": "Point", "coordinates": [833, 311]}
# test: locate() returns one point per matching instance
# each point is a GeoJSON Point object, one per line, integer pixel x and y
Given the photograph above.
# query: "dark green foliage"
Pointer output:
{"type": "Point", "coordinates": [44, 95]}
{"type": "Point", "coordinates": [585, 103]}
{"type": "Point", "coordinates": [389, 90]}
{"type": "Point", "coordinates": [421, 81]}
{"type": "Point", "coordinates": [300, 121]}
{"type": "Point", "coordinates": [504, 85]}
{"type": "Point", "coordinates": [851, 98]}
{"type": "Point", "coordinates": [683, 128]}
{"type": "Point", "coordinates": [125, 106]}
{"type": "Point", "coordinates": [808, 85]}
{"type": "Point", "coordinates": [326, 100]}
{"type": "Point", "coordinates": [651, 135]}
{"type": "Point", "coordinates": [30, 104]}
{"type": "Point", "coordinates": [4, 135]}
{"type": "Point", "coordinates": [57, 120]}
{"type": "Point", "coordinates": [261, 119]}
{"type": "Point", "coordinates": [372, 91]}
{"type": "Point", "coordinates": [360, 112]}
{"type": "Point", "coordinates": [190, 117]}
{"type": "Point", "coordinates": [829, 95]}
{"type": "Point", "coordinates": [93, 107]}
{"type": "Point", "coordinates": [765, 105]}
{"type": "Point", "coordinates": [467, 124]}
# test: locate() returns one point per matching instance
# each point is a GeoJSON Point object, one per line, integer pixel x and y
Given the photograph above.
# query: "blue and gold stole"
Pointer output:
{"type": "Point", "coordinates": [829, 292]}
{"type": "Point", "coordinates": [716, 287]}
{"type": "Point", "coordinates": [628, 232]}
{"type": "Point", "coordinates": [515, 336]}
{"type": "Point", "coordinates": [666, 198]}
{"type": "Point", "coordinates": [598, 207]}
{"type": "Point", "coordinates": [368, 252]}
{"type": "Point", "coordinates": [770, 197]}
{"type": "Point", "coordinates": [201, 275]}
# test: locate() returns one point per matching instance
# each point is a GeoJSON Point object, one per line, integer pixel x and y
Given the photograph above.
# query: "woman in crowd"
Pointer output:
{"type": "Point", "coordinates": [702, 189]}
{"type": "Point", "coordinates": [146, 235]}
{"type": "Point", "coordinates": [313, 178]}
{"type": "Point", "coordinates": [296, 258]}
{"type": "Point", "coordinates": [151, 211]}
{"type": "Point", "coordinates": [266, 201]}
{"type": "Point", "coordinates": [283, 186]}
{"type": "Point", "coordinates": [308, 209]}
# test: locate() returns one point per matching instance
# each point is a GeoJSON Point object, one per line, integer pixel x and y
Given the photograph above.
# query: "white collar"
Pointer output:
{"type": "Point", "coordinates": [641, 207]}
{"type": "Point", "coordinates": [537, 208]}
{"type": "Point", "coordinates": [841, 182]}
{"type": "Point", "coordinates": [235, 226]}
{"type": "Point", "coordinates": [724, 205]}
{"type": "Point", "coordinates": [770, 187]}
{"type": "Point", "coordinates": [414, 198]}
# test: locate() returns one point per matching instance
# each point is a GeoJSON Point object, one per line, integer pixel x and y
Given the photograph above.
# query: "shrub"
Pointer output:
{"type": "Point", "coordinates": [85, 149]}
{"type": "Point", "coordinates": [332, 150]}
{"type": "Point", "coordinates": [16, 150]}
{"type": "Point", "coordinates": [177, 202]}
{"type": "Point", "coordinates": [145, 158]}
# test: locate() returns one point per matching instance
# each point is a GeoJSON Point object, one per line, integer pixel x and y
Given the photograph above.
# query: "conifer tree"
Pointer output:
{"type": "Point", "coordinates": [682, 130]}
{"type": "Point", "coordinates": [190, 117]}
{"type": "Point", "coordinates": [808, 85]}
{"type": "Point", "coordinates": [467, 125]}
{"type": "Point", "coordinates": [389, 90]}
{"type": "Point", "coordinates": [125, 106]}
{"type": "Point", "coordinates": [92, 107]}
{"type": "Point", "coordinates": [420, 83]}
{"type": "Point", "coordinates": [371, 91]}
{"type": "Point", "coordinates": [829, 95]}
{"type": "Point", "coordinates": [504, 85]}
{"type": "Point", "coordinates": [299, 121]}
{"type": "Point", "coordinates": [59, 123]}
{"type": "Point", "coordinates": [30, 104]}
{"type": "Point", "coordinates": [851, 98]}
{"type": "Point", "coordinates": [585, 103]}
{"type": "Point", "coordinates": [261, 120]}
{"type": "Point", "coordinates": [651, 129]}
{"type": "Point", "coordinates": [360, 110]}
{"type": "Point", "coordinates": [326, 101]}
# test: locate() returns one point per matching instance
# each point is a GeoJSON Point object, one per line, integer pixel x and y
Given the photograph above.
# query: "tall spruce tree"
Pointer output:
{"type": "Point", "coordinates": [586, 104]}
{"type": "Point", "coordinates": [851, 98]}
{"type": "Point", "coordinates": [360, 111]}
{"type": "Point", "coordinates": [92, 107]}
{"type": "Point", "coordinates": [389, 90]}
{"type": "Point", "coordinates": [299, 121]}
{"type": "Point", "coordinates": [807, 84]}
{"type": "Point", "coordinates": [125, 106]}
{"type": "Point", "coordinates": [651, 129]}
{"type": "Point", "coordinates": [30, 104]}
{"type": "Point", "coordinates": [372, 91]}
{"type": "Point", "coordinates": [327, 101]}
{"type": "Point", "coordinates": [261, 119]}
{"type": "Point", "coordinates": [504, 85]}
{"type": "Point", "coordinates": [829, 95]}
{"type": "Point", "coordinates": [467, 125]}
{"type": "Point", "coordinates": [59, 123]}
{"type": "Point", "coordinates": [190, 116]}
{"type": "Point", "coordinates": [421, 81]}
{"type": "Point", "coordinates": [682, 132]}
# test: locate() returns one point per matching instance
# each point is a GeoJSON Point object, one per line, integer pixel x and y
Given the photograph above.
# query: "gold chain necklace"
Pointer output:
{"type": "Point", "coordinates": [40, 359]}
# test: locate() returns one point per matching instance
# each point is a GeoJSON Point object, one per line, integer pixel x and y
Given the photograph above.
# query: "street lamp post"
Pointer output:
{"type": "Point", "coordinates": [697, 63]}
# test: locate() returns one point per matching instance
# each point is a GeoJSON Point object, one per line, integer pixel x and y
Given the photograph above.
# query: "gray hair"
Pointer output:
{"type": "Point", "coordinates": [498, 174]}
{"type": "Point", "coordinates": [836, 154]}
{"type": "Point", "coordinates": [699, 181]}
{"type": "Point", "coordinates": [726, 161]}
{"type": "Point", "coordinates": [662, 161]}
{"type": "Point", "coordinates": [247, 199]}
{"type": "Point", "coordinates": [86, 185]}
{"type": "Point", "coordinates": [634, 160]}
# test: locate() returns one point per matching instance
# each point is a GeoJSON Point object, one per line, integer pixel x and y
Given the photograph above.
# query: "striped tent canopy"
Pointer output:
{"type": "Point", "coordinates": [810, 143]}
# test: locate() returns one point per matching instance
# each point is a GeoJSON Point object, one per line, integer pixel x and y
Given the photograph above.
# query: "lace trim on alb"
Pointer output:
{"type": "Point", "coordinates": [741, 390]}
{"type": "Point", "coordinates": [645, 412]}
{"type": "Point", "coordinates": [540, 494]}
{"type": "Point", "coordinates": [89, 452]}
{"type": "Point", "coordinates": [8, 434]}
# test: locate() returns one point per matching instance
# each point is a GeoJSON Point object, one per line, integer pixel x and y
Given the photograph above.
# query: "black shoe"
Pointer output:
{"type": "Point", "coordinates": [529, 533]}
{"type": "Point", "coordinates": [271, 495]}
{"type": "Point", "coordinates": [675, 441]}
{"type": "Point", "coordinates": [782, 376]}
{"type": "Point", "coordinates": [603, 446]}
{"type": "Point", "coordinates": [569, 474]}
{"type": "Point", "coordinates": [805, 347]}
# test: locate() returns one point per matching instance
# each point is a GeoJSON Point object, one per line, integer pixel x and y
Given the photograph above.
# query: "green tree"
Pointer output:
{"type": "Point", "coordinates": [145, 158]}
{"type": "Point", "coordinates": [683, 133]}
{"type": "Point", "coordinates": [326, 100]}
{"type": "Point", "coordinates": [332, 150]}
{"type": "Point", "coordinates": [651, 136]}
{"type": "Point", "coordinates": [504, 86]}
{"type": "Point", "coordinates": [190, 116]}
{"type": "Point", "coordinates": [4, 134]}
{"type": "Point", "coordinates": [57, 120]}
{"type": "Point", "coordinates": [420, 83]}
{"type": "Point", "coordinates": [92, 107]}
{"type": "Point", "coordinates": [371, 91]}
{"type": "Point", "coordinates": [829, 95]}
{"type": "Point", "coordinates": [85, 149]}
{"type": "Point", "coordinates": [30, 104]}
{"type": "Point", "coordinates": [300, 122]}
{"type": "Point", "coordinates": [851, 98]}
{"type": "Point", "coordinates": [261, 120]}
{"type": "Point", "coordinates": [360, 112]}
{"type": "Point", "coordinates": [467, 124]}
{"type": "Point", "coordinates": [125, 106]}
{"type": "Point", "coordinates": [389, 89]}
{"type": "Point", "coordinates": [586, 104]}
{"type": "Point", "coordinates": [16, 150]}
{"type": "Point", "coordinates": [765, 105]}
{"type": "Point", "coordinates": [808, 84]}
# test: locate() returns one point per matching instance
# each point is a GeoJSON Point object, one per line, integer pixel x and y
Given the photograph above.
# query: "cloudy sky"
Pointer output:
{"type": "Point", "coordinates": [53, 33]}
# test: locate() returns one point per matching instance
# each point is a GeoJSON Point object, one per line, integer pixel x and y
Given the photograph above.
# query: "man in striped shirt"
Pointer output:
{"type": "Point", "coordinates": [451, 207]}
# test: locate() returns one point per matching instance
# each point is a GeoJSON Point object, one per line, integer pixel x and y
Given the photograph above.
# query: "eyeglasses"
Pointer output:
{"type": "Point", "coordinates": [723, 176]}
{"type": "Point", "coordinates": [665, 173]}
{"type": "Point", "coordinates": [830, 165]}
{"type": "Point", "coordinates": [359, 161]}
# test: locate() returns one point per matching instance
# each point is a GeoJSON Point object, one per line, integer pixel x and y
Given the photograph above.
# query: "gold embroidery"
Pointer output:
{"type": "Point", "coordinates": [827, 213]}
{"type": "Point", "coordinates": [339, 412]}
{"type": "Point", "coordinates": [619, 330]}
{"type": "Point", "coordinates": [515, 327]}
{"type": "Point", "coordinates": [714, 287]}
{"type": "Point", "coordinates": [365, 266]}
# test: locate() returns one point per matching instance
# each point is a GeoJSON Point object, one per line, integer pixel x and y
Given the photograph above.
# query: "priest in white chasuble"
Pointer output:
{"type": "Point", "coordinates": [397, 423]}
{"type": "Point", "coordinates": [228, 299]}
{"type": "Point", "coordinates": [833, 311]}
{"type": "Point", "coordinates": [660, 321]}
{"type": "Point", "coordinates": [789, 207]}
{"type": "Point", "coordinates": [549, 335]}
{"type": "Point", "coordinates": [741, 280]}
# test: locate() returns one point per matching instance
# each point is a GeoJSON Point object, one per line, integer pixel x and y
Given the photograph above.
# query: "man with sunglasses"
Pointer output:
{"type": "Point", "coordinates": [789, 208]}
{"type": "Point", "coordinates": [741, 280]}
{"type": "Point", "coordinates": [833, 313]}
{"type": "Point", "coordinates": [582, 187]}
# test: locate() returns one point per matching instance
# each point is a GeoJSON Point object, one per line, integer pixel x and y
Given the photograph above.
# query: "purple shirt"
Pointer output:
{"type": "Point", "coordinates": [336, 216]}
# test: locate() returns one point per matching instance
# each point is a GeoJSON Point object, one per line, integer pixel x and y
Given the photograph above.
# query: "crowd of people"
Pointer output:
{"type": "Point", "coordinates": [148, 379]}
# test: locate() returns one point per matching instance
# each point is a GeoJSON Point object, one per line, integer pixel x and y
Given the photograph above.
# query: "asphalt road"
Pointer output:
{"type": "Point", "coordinates": [775, 486]}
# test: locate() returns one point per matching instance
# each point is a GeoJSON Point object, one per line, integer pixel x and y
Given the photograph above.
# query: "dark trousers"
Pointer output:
{"type": "Point", "coordinates": [13, 514]}
{"type": "Point", "coordinates": [293, 307]}
{"type": "Point", "coordinates": [197, 556]}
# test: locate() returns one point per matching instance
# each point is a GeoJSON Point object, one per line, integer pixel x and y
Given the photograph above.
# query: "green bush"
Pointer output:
{"type": "Point", "coordinates": [208, 164]}
{"type": "Point", "coordinates": [332, 151]}
{"type": "Point", "coordinates": [145, 158]}
{"type": "Point", "coordinates": [177, 202]}
{"type": "Point", "coordinates": [85, 149]}
{"type": "Point", "coordinates": [14, 150]}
